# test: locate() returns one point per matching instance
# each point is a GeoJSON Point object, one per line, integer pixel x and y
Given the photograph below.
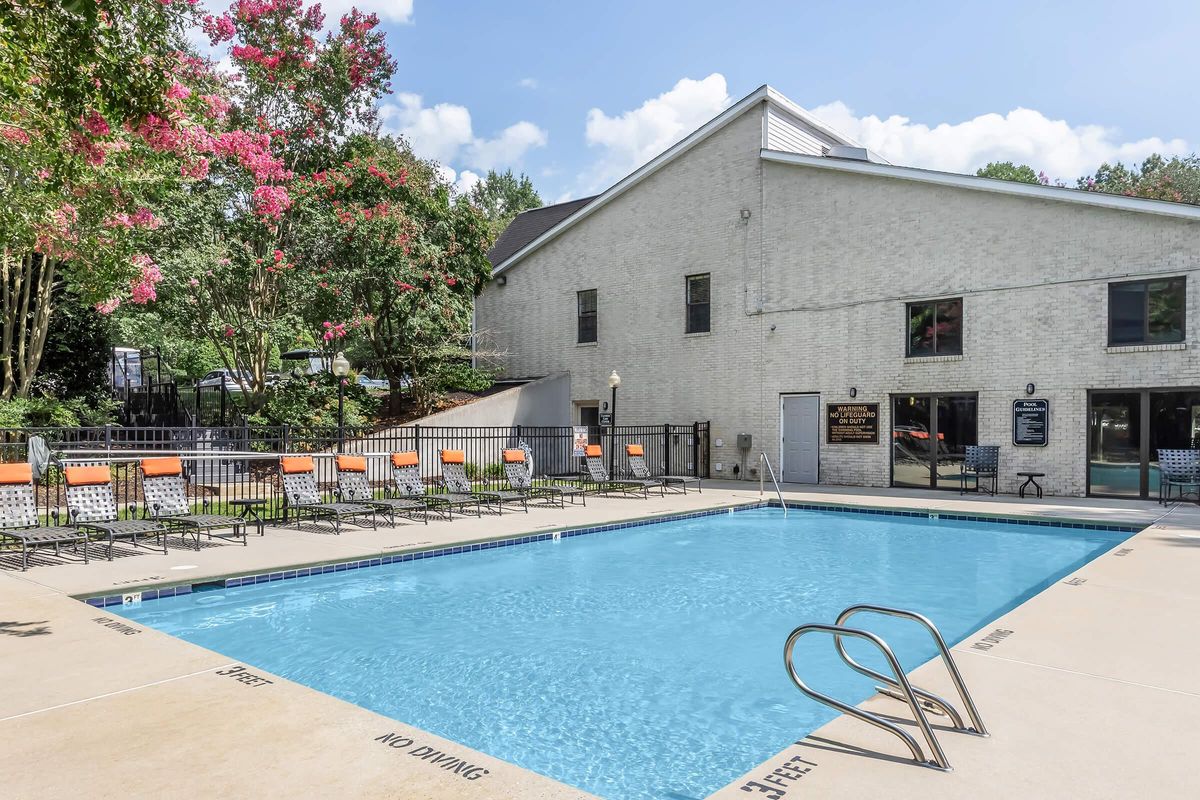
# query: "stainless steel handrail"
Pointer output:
{"type": "Point", "coordinates": [978, 727]}
{"type": "Point", "coordinates": [837, 631]}
{"type": "Point", "coordinates": [762, 459]}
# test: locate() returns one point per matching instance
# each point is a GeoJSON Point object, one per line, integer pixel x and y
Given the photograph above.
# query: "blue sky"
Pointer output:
{"type": "Point", "coordinates": [578, 94]}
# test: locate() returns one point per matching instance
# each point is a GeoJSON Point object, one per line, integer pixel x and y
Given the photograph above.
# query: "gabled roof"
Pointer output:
{"type": "Point", "coordinates": [1060, 194]}
{"type": "Point", "coordinates": [593, 204]}
{"type": "Point", "coordinates": [528, 225]}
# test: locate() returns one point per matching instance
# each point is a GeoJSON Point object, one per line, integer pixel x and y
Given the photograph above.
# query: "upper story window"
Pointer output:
{"type": "Point", "coordinates": [935, 328]}
{"type": "Point", "coordinates": [1146, 312]}
{"type": "Point", "coordinates": [586, 314]}
{"type": "Point", "coordinates": [699, 318]}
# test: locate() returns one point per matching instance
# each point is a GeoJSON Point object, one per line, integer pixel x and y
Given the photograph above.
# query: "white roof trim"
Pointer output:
{"type": "Point", "coordinates": [666, 157]}
{"type": "Point", "coordinates": [976, 183]}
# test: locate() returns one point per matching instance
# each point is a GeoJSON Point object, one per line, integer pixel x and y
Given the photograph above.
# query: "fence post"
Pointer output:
{"type": "Point", "coordinates": [667, 449]}
{"type": "Point", "coordinates": [696, 449]}
{"type": "Point", "coordinates": [287, 429]}
{"type": "Point", "coordinates": [417, 448]}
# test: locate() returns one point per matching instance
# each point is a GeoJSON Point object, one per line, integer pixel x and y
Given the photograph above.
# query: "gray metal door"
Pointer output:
{"type": "Point", "coordinates": [800, 427]}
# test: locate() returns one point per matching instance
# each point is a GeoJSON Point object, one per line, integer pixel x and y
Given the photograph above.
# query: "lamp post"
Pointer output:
{"type": "Point", "coordinates": [341, 368]}
{"type": "Point", "coordinates": [614, 381]}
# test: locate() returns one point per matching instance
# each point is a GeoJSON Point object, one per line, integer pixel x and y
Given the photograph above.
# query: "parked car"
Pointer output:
{"type": "Point", "coordinates": [227, 377]}
{"type": "Point", "coordinates": [367, 382]}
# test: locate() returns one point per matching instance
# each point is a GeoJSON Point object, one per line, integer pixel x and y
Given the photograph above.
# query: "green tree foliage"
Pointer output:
{"type": "Point", "coordinates": [501, 196]}
{"type": "Point", "coordinates": [310, 405]}
{"type": "Point", "coordinates": [392, 260]}
{"type": "Point", "coordinates": [78, 80]}
{"type": "Point", "coordinates": [1157, 178]}
{"type": "Point", "coordinates": [1008, 171]}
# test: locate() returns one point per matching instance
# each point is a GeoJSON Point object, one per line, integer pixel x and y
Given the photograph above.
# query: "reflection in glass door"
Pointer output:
{"type": "Point", "coordinates": [929, 437]}
{"type": "Point", "coordinates": [1115, 444]}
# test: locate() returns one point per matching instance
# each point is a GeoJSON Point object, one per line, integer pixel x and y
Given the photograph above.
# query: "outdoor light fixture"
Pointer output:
{"type": "Point", "coordinates": [501, 280]}
{"type": "Point", "coordinates": [1029, 388]}
{"type": "Point", "coordinates": [853, 392]}
{"type": "Point", "coordinates": [614, 380]}
{"type": "Point", "coordinates": [340, 367]}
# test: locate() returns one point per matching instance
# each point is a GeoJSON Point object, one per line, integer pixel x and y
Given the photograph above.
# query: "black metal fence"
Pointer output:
{"type": "Point", "coordinates": [240, 462]}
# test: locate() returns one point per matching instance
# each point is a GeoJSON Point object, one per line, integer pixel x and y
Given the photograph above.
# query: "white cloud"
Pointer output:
{"type": "Point", "coordinates": [400, 11]}
{"type": "Point", "coordinates": [1022, 135]}
{"type": "Point", "coordinates": [460, 182]}
{"type": "Point", "coordinates": [528, 83]}
{"type": "Point", "coordinates": [632, 138]}
{"type": "Point", "coordinates": [444, 133]}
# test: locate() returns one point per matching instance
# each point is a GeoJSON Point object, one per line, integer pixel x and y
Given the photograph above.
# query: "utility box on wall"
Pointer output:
{"type": "Point", "coordinates": [745, 441]}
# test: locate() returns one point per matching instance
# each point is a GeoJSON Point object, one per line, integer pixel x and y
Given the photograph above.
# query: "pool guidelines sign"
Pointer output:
{"type": "Point", "coordinates": [1031, 423]}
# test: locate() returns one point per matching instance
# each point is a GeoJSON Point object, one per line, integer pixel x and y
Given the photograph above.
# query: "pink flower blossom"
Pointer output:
{"type": "Point", "coordinates": [14, 134]}
{"type": "Point", "coordinates": [197, 169]}
{"type": "Point", "coordinates": [229, 332]}
{"type": "Point", "coordinates": [271, 201]}
{"type": "Point", "coordinates": [142, 288]}
{"type": "Point", "coordinates": [178, 91]}
{"type": "Point", "coordinates": [96, 125]}
{"type": "Point", "coordinates": [218, 106]}
{"type": "Point", "coordinates": [219, 29]}
{"type": "Point", "coordinates": [108, 306]}
{"type": "Point", "coordinates": [193, 282]}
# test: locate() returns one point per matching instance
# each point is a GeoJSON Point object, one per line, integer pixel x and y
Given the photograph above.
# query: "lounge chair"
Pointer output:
{"type": "Point", "coordinates": [454, 478]}
{"type": "Point", "coordinates": [92, 507]}
{"type": "Point", "coordinates": [165, 494]}
{"type": "Point", "coordinates": [19, 519]}
{"type": "Point", "coordinates": [635, 454]}
{"type": "Point", "coordinates": [406, 480]}
{"type": "Point", "coordinates": [353, 487]}
{"type": "Point", "coordinates": [593, 457]}
{"type": "Point", "coordinates": [516, 470]}
{"type": "Point", "coordinates": [303, 497]}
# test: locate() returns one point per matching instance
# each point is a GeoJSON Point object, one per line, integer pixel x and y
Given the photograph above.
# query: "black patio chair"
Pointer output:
{"type": "Point", "coordinates": [981, 462]}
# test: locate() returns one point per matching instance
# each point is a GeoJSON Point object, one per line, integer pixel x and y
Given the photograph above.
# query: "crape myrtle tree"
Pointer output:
{"type": "Point", "coordinates": [501, 196]}
{"type": "Point", "coordinates": [78, 81]}
{"type": "Point", "coordinates": [394, 262]}
{"type": "Point", "coordinates": [294, 99]}
{"type": "Point", "coordinates": [1157, 178]}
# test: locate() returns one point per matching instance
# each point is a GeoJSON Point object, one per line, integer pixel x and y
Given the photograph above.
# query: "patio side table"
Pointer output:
{"type": "Point", "coordinates": [248, 510]}
{"type": "Point", "coordinates": [1029, 480]}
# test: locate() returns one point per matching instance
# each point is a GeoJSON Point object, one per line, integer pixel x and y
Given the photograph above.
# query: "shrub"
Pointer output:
{"type": "Point", "coordinates": [49, 412]}
{"type": "Point", "coordinates": [309, 404]}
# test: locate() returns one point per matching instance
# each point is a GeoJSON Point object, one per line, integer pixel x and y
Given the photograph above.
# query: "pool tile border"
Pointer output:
{"type": "Point", "coordinates": [418, 555]}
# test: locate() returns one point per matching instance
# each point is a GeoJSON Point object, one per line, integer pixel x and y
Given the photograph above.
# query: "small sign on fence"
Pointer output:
{"type": "Point", "coordinates": [579, 436]}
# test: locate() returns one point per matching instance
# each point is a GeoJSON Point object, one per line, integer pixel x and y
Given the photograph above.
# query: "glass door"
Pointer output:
{"type": "Point", "coordinates": [912, 451]}
{"type": "Point", "coordinates": [1115, 444]}
{"type": "Point", "coordinates": [930, 433]}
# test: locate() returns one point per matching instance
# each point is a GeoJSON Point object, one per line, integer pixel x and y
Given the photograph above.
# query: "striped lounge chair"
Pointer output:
{"type": "Point", "coordinates": [593, 457]}
{"type": "Point", "coordinates": [19, 519]}
{"type": "Point", "coordinates": [635, 454]}
{"type": "Point", "coordinates": [516, 471]}
{"type": "Point", "coordinates": [164, 492]}
{"type": "Point", "coordinates": [92, 507]}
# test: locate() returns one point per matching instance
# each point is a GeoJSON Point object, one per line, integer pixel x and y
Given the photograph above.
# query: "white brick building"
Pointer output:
{"type": "Point", "coordinates": [837, 277]}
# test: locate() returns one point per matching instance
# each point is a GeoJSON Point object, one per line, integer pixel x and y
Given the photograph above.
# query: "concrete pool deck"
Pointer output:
{"type": "Point", "coordinates": [1091, 694]}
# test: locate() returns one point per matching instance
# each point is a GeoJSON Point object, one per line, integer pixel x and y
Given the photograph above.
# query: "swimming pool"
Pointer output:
{"type": "Point", "coordinates": [639, 663]}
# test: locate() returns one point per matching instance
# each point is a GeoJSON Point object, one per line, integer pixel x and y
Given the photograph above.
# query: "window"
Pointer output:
{"type": "Point", "coordinates": [1146, 312]}
{"type": "Point", "coordinates": [935, 328]}
{"type": "Point", "coordinates": [586, 301]}
{"type": "Point", "coordinates": [698, 303]}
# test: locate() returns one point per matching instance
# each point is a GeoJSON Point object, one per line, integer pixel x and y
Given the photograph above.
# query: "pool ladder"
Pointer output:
{"type": "Point", "coordinates": [895, 685]}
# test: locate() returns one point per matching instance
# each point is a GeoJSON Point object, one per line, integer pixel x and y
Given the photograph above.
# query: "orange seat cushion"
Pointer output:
{"type": "Point", "coordinates": [292, 465]}
{"type": "Point", "coordinates": [87, 476]}
{"type": "Point", "coordinates": [454, 457]}
{"type": "Point", "coordinates": [634, 450]}
{"type": "Point", "coordinates": [352, 463]}
{"type": "Point", "coordinates": [409, 458]}
{"type": "Point", "coordinates": [161, 467]}
{"type": "Point", "coordinates": [515, 456]}
{"type": "Point", "coordinates": [593, 450]}
{"type": "Point", "coordinates": [18, 472]}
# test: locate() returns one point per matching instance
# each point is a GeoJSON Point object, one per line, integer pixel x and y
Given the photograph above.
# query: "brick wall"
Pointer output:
{"type": "Point", "coordinates": [833, 257]}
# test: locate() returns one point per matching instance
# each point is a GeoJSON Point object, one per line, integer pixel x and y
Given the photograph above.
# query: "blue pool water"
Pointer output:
{"type": "Point", "coordinates": [640, 663]}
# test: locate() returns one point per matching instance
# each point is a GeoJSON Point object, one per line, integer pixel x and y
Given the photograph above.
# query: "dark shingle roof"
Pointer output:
{"type": "Point", "coordinates": [531, 224]}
